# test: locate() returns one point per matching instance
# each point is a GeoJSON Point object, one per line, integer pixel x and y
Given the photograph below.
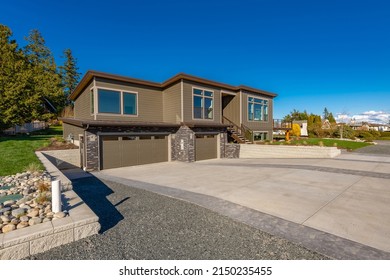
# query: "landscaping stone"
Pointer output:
{"type": "Point", "coordinates": [22, 225]}
{"type": "Point", "coordinates": [25, 205]}
{"type": "Point", "coordinates": [18, 212]}
{"type": "Point", "coordinates": [24, 219]}
{"type": "Point", "coordinates": [35, 221]}
{"type": "Point", "coordinates": [8, 228]}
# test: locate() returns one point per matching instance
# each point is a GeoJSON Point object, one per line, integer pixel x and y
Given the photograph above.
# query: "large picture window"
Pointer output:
{"type": "Point", "coordinates": [257, 109]}
{"type": "Point", "coordinates": [203, 104]}
{"type": "Point", "coordinates": [109, 101]}
{"type": "Point", "coordinates": [117, 102]}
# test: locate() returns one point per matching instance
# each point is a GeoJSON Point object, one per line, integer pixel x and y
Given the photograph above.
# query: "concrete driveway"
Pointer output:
{"type": "Point", "coordinates": [347, 196]}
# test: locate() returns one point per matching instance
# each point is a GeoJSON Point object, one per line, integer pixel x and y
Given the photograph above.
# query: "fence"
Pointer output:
{"type": "Point", "coordinates": [26, 128]}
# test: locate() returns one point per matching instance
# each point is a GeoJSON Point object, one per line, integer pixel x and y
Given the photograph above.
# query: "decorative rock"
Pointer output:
{"type": "Point", "coordinates": [22, 225]}
{"type": "Point", "coordinates": [8, 228]}
{"type": "Point", "coordinates": [35, 221]}
{"type": "Point", "coordinates": [33, 213]}
{"type": "Point", "coordinates": [5, 219]}
{"type": "Point", "coordinates": [9, 202]}
{"type": "Point", "coordinates": [15, 221]}
{"type": "Point", "coordinates": [46, 220]}
{"type": "Point", "coordinates": [18, 212]}
{"type": "Point", "coordinates": [24, 219]}
{"type": "Point", "coordinates": [59, 215]}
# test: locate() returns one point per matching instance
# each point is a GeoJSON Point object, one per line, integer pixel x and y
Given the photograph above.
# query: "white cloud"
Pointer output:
{"type": "Point", "coordinates": [378, 117]}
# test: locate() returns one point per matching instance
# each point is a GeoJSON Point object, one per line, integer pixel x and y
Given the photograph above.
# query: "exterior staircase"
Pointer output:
{"type": "Point", "coordinates": [237, 136]}
{"type": "Point", "coordinates": [241, 134]}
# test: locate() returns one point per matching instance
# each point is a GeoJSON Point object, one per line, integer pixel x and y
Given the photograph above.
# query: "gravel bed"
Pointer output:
{"type": "Point", "coordinates": [137, 224]}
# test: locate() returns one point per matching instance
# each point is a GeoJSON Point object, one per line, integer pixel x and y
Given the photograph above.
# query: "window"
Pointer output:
{"type": "Point", "coordinates": [109, 101]}
{"type": "Point", "coordinates": [203, 104]}
{"type": "Point", "coordinates": [260, 136]}
{"type": "Point", "coordinates": [92, 103]}
{"type": "Point", "coordinates": [129, 103]}
{"type": "Point", "coordinates": [257, 109]}
{"type": "Point", "coordinates": [116, 102]}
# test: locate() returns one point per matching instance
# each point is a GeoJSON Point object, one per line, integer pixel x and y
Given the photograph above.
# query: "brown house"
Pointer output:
{"type": "Point", "coordinates": [121, 121]}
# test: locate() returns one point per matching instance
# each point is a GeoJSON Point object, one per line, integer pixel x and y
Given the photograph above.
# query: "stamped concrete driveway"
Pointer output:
{"type": "Point", "coordinates": [347, 196]}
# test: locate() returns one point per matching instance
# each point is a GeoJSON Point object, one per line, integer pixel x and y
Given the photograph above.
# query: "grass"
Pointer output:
{"type": "Point", "coordinates": [17, 152]}
{"type": "Point", "coordinates": [343, 144]}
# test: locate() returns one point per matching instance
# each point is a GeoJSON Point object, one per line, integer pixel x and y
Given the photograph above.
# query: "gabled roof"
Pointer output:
{"type": "Point", "coordinates": [88, 77]}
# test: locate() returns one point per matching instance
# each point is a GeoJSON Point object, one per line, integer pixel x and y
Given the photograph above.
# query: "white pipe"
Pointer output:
{"type": "Point", "coordinates": [56, 196]}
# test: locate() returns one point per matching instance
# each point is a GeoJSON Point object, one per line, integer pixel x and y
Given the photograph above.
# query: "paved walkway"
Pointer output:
{"type": "Point", "coordinates": [381, 148]}
{"type": "Point", "coordinates": [346, 197]}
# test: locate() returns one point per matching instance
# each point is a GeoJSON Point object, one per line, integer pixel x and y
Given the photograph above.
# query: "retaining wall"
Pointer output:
{"type": "Point", "coordinates": [80, 223]}
{"type": "Point", "coordinates": [281, 151]}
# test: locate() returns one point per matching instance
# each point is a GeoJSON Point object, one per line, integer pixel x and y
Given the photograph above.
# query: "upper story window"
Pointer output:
{"type": "Point", "coordinates": [257, 109]}
{"type": "Point", "coordinates": [203, 104]}
{"type": "Point", "coordinates": [117, 102]}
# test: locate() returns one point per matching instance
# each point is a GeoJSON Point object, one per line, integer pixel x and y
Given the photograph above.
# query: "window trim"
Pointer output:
{"type": "Point", "coordinates": [260, 131]}
{"type": "Point", "coordinates": [247, 108]}
{"type": "Point", "coordinates": [203, 96]}
{"type": "Point", "coordinates": [121, 91]}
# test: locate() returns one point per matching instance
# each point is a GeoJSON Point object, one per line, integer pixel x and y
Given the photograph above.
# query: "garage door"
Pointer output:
{"type": "Point", "coordinates": [132, 150]}
{"type": "Point", "coordinates": [205, 147]}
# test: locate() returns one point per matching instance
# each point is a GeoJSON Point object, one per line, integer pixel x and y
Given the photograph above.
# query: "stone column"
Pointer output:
{"type": "Point", "coordinates": [92, 151]}
{"type": "Point", "coordinates": [183, 145]}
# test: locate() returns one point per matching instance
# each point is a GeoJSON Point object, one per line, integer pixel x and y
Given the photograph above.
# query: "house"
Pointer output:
{"type": "Point", "coordinates": [121, 121]}
{"type": "Point", "coordinates": [303, 125]}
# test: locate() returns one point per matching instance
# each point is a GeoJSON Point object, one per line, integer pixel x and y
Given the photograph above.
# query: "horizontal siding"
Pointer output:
{"type": "Point", "coordinates": [257, 125]}
{"type": "Point", "coordinates": [172, 104]}
{"type": "Point", "coordinates": [150, 102]}
{"type": "Point", "coordinates": [82, 105]}
{"type": "Point", "coordinates": [75, 130]}
{"type": "Point", "coordinates": [232, 109]}
{"type": "Point", "coordinates": [187, 103]}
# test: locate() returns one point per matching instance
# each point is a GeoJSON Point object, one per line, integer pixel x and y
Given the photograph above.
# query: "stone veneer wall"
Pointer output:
{"type": "Point", "coordinates": [232, 150]}
{"type": "Point", "coordinates": [183, 145]}
{"type": "Point", "coordinates": [92, 150]}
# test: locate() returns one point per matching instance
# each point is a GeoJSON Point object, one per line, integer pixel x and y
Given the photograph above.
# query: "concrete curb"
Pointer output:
{"type": "Point", "coordinates": [80, 223]}
{"type": "Point", "coordinates": [66, 184]}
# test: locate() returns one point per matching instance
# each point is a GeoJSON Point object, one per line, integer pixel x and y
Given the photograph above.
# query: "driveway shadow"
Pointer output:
{"type": "Point", "coordinates": [94, 193]}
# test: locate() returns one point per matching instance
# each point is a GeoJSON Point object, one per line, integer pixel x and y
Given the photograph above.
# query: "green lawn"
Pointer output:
{"type": "Point", "coordinates": [17, 152]}
{"type": "Point", "coordinates": [343, 144]}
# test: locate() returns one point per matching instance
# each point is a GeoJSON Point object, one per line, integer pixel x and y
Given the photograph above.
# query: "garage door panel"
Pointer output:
{"type": "Point", "coordinates": [129, 151]}
{"type": "Point", "coordinates": [111, 153]}
{"type": "Point", "coordinates": [206, 147]}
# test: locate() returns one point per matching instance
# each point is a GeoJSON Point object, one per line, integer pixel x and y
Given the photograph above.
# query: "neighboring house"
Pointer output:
{"type": "Point", "coordinates": [121, 121]}
{"type": "Point", "coordinates": [303, 126]}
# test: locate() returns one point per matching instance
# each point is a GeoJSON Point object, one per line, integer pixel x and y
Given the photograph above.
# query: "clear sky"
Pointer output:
{"type": "Point", "coordinates": [313, 54]}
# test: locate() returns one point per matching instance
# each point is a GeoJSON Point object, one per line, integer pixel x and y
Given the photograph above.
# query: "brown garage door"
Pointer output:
{"type": "Point", "coordinates": [131, 150]}
{"type": "Point", "coordinates": [205, 147]}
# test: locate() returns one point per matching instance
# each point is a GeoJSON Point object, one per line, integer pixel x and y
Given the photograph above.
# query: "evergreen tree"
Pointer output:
{"type": "Point", "coordinates": [17, 100]}
{"type": "Point", "coordinates": [70, 76]}
{"type": "Point", "coordinates": [331, 119]}
{"type": "Point", "coordinates": [326, 114]}
{"type": "Point", "coordinates": [46, 82]}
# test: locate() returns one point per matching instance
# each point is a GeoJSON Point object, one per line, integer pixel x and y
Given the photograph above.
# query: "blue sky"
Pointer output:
{"type": "Point", "coordinates": [313, 54]}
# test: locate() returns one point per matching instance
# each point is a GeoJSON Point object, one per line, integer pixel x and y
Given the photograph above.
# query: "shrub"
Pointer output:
{"type": "Point", "coordinates": [42, 198]}
{"type": "Point", "coordinates": [43, 187]}
{"type": "Point", "coordinates": [385, 134]}
{"type": "Point", "coordinates": [296, 130]}
{"type": "Point", "coordinates": [34, 167]}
